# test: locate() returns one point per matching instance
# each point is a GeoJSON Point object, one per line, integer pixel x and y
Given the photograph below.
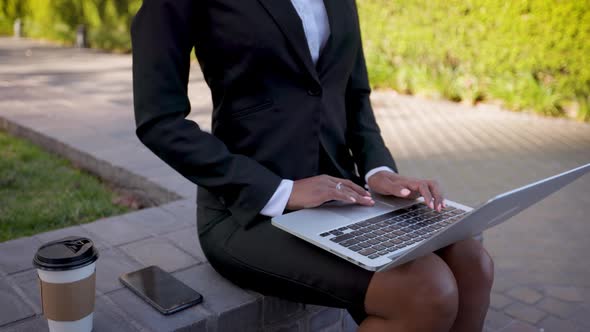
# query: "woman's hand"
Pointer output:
{"type": "Point", "coordinates": [388, 183]}
{"type": "Point", "coordinates": [316, 190]}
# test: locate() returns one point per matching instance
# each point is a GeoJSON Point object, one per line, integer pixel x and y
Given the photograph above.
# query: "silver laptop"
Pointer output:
{"type": "Point", "coordinates": [395, 230]}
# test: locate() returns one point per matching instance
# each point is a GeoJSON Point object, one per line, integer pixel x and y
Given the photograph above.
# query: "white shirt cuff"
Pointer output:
{"type": "Point", "coordinates": [375, 170]}
{"type": "Point", "coordinates": [278, 202]}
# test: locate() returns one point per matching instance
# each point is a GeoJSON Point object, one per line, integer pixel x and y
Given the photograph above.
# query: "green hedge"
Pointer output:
{"type": "Point", "coordinates": [528, 54]}
{"type": "Point", "coordinates": [107, 21]}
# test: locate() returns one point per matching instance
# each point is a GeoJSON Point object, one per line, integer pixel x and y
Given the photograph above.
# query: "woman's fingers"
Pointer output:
{"type": "Point", "coordinates": [340, 195]}
{"type": "Point", "coordinates": [351, 196]}
{"type": "Point", "coordinates": [356, 188]}
{"type": "Point", "coordinates": [438, 198]}
{"type": "Point", "coordinates": [410, 188]}
{"type": "Point", "coordinates": [424, 190]}
{"type": "Point", "coordinates": [346, 194]}
{"type": "Point", "coordinates": [315, 191]}
{"type": "Point", "coordinates": [398, 189]}
{"type": "Point", "coordinates": [353, 186]}
{"type": "Point", "coordinates": [347, 191]}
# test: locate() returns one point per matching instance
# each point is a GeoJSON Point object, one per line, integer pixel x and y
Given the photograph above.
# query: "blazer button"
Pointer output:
{"type": "Point", "coordinates": [314, 91]}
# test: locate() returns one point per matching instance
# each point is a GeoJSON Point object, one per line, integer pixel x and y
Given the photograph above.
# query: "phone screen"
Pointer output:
{"type": "Point", "coordinates": [161, 289]}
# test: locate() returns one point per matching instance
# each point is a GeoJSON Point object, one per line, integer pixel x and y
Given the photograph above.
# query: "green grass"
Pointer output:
{"type": "Point", "coordinates": [528, 54]}
{"type": "Point", "coordinates": [41, 192]}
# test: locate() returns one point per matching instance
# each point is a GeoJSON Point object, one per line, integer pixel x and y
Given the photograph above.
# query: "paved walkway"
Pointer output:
{"type": "Point", "coordinates": [82, 99]}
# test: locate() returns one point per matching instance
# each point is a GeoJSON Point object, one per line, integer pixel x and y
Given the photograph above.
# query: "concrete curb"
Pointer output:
{"type": "Point", "coordinates": [148, 193]}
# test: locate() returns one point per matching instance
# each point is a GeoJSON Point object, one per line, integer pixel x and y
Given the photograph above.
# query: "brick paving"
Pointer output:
{"type": "Point", "coordinates": [82, 101]}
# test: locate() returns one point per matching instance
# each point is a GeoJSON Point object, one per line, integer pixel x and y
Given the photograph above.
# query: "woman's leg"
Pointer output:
{"type": "Point", "coordinates": [420, 296]}
{"type": "Point", "coordinates": [473, 269]}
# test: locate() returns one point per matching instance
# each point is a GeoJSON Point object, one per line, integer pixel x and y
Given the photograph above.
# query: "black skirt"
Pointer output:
{"type": "Point", "coordinates": [273, 262]}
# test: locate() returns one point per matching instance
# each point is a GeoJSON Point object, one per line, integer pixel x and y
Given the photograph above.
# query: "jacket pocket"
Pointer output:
{"type": "Point", "coordinates": [251, 110]}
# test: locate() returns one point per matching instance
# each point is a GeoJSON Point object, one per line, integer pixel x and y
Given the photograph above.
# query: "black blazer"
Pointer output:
{"type": "Point", "coordinates": [274, 112]}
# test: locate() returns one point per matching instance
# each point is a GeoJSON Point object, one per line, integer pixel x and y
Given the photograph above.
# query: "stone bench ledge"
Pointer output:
{"type": "Point", "coordinates": [163, 236]}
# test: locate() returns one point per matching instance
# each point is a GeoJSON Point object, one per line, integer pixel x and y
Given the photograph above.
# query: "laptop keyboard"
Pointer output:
{"type": "Point", "coordinates": [384, 234]}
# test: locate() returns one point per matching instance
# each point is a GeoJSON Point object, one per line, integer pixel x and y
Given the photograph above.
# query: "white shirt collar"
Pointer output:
{"type": "Point", "coordinates": [315, 24]}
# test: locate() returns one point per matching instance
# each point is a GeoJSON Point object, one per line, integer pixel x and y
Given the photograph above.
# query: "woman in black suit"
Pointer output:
{"type": "Point", "coordinates": [291, 120]}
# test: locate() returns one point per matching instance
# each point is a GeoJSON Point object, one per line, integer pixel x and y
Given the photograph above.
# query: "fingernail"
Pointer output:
{"type": "Point", "coordinates": [367, 197]}
{"type": "Point", "coordinates": [431, 205]}
{"type": "Point", "coordinates": [405, 192]}
{"type": "Point", "coordinates": [368, 193]}
{"type": "Point", "coordinates": [352, 199]}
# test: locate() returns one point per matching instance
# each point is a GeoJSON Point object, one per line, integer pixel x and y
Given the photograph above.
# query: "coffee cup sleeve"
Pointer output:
{"type": "Point", "coordinates": [70, 301]}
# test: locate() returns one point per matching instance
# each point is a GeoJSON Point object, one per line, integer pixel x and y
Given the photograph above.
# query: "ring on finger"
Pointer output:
{"type": "Point", "coordinates": [339, 185]}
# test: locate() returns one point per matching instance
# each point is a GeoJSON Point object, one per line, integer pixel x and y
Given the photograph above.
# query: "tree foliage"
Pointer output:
{"type": "Point", "coordinates": [107, 21]}
{"type": "Point", "coordinates": [529, 54]}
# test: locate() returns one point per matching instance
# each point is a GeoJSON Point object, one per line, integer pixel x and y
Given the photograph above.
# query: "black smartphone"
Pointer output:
{"type": "Point", "coordinates": [161, 289]}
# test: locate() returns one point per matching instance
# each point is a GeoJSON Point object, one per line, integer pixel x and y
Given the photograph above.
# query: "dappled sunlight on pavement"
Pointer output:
{"type": "Point", "coordinates": [542, 255]}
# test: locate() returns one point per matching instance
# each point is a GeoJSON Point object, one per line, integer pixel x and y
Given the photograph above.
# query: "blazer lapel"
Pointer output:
{"type": "Point", "coordinates": [331, 7]}
{"type": "Point", "coordinates": [286, 17]}
{"type": "Point", "coordinates": [343, 36]}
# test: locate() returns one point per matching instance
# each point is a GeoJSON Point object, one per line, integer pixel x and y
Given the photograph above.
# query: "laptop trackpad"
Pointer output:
{"type": "Point", "coordinates": [358, 212]}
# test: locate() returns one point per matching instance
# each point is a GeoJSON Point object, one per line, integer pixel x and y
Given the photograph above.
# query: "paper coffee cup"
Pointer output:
{"type": "Point", "coordinates": [66, 270]}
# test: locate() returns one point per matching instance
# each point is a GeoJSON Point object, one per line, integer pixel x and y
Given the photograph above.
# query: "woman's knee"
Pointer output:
{"type": "Point", "coordinates": [419, 292]}
{"type": "Point", "coordinates": [485, 267]}
{"type": "Point", "coordinates": [470, 260]}
{"type": "Point", "coordinates": [435, 290]}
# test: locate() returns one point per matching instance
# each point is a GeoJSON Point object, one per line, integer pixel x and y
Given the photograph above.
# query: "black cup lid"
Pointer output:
{"type": "Point", "coordinates": [68, 253]}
